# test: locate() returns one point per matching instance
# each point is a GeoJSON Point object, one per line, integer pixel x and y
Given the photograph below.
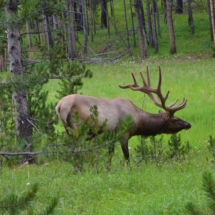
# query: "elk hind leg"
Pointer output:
{"type": "Point", "coordinates": [124, 146]}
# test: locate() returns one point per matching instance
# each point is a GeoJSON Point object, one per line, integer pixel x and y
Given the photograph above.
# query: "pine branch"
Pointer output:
{"type": "Point", "coordinates": [50, 208]}
{"type": "Point", "coordinates": [209, 186]}
{"type": "Point", "coordinates": [11, 203]}
{"type": "Point", "coordinates": [191, 209]}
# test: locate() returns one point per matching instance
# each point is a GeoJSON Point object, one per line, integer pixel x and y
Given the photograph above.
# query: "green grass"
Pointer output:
{"type": "Point", "coordinates": [141, 189]}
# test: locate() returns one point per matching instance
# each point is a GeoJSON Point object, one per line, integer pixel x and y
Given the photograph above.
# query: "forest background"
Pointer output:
{"type": "Point", "coordinates": [50, 49]}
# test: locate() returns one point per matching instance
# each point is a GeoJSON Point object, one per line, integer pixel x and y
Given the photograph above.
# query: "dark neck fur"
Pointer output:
{"type": "Point", "coordinates": [149, 124]}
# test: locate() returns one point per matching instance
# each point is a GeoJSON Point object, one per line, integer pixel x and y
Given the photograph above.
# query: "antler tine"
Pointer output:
{"type": "Point", "coordinates": [129, 86]}
{"type": "Point", "coordinates": [160, 79]}
{"type": "Point", "coordinates": [180, 106]}
{"type": "Point", "coordinates": [171, 105]}
{"type": "Point", "coordinates": [148, 76]}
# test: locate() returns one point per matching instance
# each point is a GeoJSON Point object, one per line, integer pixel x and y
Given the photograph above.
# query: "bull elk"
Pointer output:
{"type": "Point", "coordinates": [116, 109]}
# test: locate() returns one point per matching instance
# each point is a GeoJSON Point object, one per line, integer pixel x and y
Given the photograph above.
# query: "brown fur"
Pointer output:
{"type": "Point", "coordinates": [115, 109]}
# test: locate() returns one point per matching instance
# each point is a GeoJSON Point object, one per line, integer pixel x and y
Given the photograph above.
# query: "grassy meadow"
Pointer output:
{"type": "Point", "coordinates": [139, 189]}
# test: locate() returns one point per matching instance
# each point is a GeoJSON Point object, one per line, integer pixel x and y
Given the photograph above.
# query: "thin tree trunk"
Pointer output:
{"type": "Point", "coordinates": [170, 27]}
{"type": "Point", "coordinates": [126, 24]}
{"type": "Point", "coordinates": [70, 33]}
{"type": "Point", "coordinates": [154, 27]}
{"type": "Point", "coordinates": [30, 43]}
{"type": "Point", "coordinates": [38, 30]}
{"type": "Point", "coordinates": [23, 127]}
{"type": "Point", "coordinates": [142, 15]}
{"type": "Point", "coordinates": [157, 18]}
{"type": "Point", "coordinates": [211, 30]}
{"type": "Point", "coordinates": [132, 21]}
{"type": "Point", "coordinates": [150, 32]}
{"type": "Point", "coordinates": [111, 8]}
{"type": "Point", "coordinates": [179, 7]}
{"type": "Point", "coordinates": [2, 63]}
{"type": "Point", "coordinates": [84, 26]}
{"type": "Point", "coordinates": [72, 27]}
{"type": "Point", "coordinates": [212, 18]}
{"type": "Point", "coordinates": [190, 17]}
{"type": "Point", "coordinates": [140, 30]}
{"type": "Point", "coordinates": [103, 13]}
{"type": "Point", "coordinates": [91, 19]}
{"type": "Point", "coordinates": [46, 27]}
{"type": "Point", "coordinates": [165, 12]}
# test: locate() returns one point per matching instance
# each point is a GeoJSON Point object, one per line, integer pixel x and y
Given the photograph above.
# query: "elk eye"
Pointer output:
{"type": "Point", "coordinates": [167, 116]}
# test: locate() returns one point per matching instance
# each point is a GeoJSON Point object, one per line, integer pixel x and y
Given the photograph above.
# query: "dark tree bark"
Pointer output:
{"type": "Point", "coordinates": [155, 39]}
{"type": "Point", "coordinates": [104, 23]}
{"type": "Point", "coordinates": [132, 22]}
{"type": "Point", "coordinates": [212, 19]}
{"type": "Point", "coordinates": [140, 29]}
{"type": "Point", "coordinates": [157, 17]}
{"type": "Point", "coordinates": [179, 7]}
{"type": "Point", "coordinates": [30, 43]}
{"type": "Point", "coordinates": [190, 17]}
{"type": "Point", "coordinates": [142, 15]}
{"type": "Point", "coordinates": [84, 18]}
{"type": "Point", "coordinates": [126, 23]}
{"type": "Point", "coordinates": [22, 122]}
{"type": "Point", "coordinates": [38, 30]}
{"type": "Point", "coordinates": [92, 20]}
{"type": "Point", "coordinates": [211, 31]}
{"type": "Point", "coordinates": [2, 63]}
{"type": "Point", "coordinates": [70, 32]}
{"type": "Point", "coordinates": [150, 31]}
{"type": "Point", "coordinates": [165, 12]}
{"type": "Point", "coordinates": [170, 27]}
{"type": "Point", "coordinates": [46, 26]}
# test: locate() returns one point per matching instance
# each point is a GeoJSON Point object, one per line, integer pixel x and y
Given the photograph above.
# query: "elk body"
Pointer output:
{"type": "Point", "coordinates": [116, 109]}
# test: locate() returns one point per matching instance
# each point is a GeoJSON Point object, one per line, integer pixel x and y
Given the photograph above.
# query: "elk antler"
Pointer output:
{"type": "Point", "coordinates": [146, 88]}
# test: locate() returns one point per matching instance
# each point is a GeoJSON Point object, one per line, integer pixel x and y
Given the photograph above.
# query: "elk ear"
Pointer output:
{"type": "Point", "coordinates": [160, 111]}
{"type": "Point", "coordinates": [166, 116]}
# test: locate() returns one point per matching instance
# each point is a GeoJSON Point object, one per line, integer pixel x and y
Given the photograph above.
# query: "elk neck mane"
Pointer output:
{"type": "Point", "coordinates": [148, 124]}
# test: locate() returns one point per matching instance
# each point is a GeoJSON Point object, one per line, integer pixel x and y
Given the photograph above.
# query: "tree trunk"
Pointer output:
{"type": "Point", "coordinates": [179, 6]}
{"type": "Point", "coordinates": [142, 15]}
{"type": "Point", "coordinates": [140, 30]}
{"type": "Point", "coordinates": [2, 57]}
{"type": "Point", "coordinates": [150, 32]}
{"type": "Point", "coordinates": [46, 26]}
{"type": "Point", "coordinates": [2, 64]}
{"type": "Point", "coordinates": [212, 19]}
{"type": "Point", "coordinates": [132, 22]}
{"type": "Point", "coordinates": [23, 127]}
{"type": "Point", "coordinates": [38, 30]}
{"type": "Point", "coordinates": [30, 43]}
{"type": "Point", "coordinates": [155, 39]}
{"type": "Point", "coordinates": [126, 23]}
{"type": "Point", "coordinates": [157, 18]}
{"type": "Point", "coordinates": [165, 12]}
{"type": "Point", "coordinates": [84, 18]}
{"type": "Point", "coordinates": [103, 13]}
{"type": "Point", "coordinates": [211, 31]}
{"type": "Point", "coordinates": [190, 17]}
{"type": "Point", "coordinates": [70, 32]}
{"type": "Point", "coordinates": [170, 27]}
